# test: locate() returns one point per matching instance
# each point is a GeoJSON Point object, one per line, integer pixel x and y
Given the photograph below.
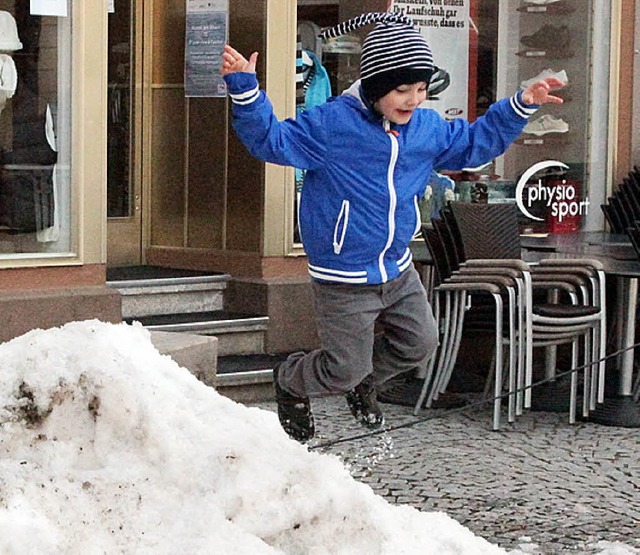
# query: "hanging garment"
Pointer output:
{"type": "Point", "coordinates": [8, 79]}
{"type": "Point", "coordinates": [26, 176]}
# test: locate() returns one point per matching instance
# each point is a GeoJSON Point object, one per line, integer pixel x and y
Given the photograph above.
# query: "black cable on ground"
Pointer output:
{"type": "Point", "coordinates": [446, 412]}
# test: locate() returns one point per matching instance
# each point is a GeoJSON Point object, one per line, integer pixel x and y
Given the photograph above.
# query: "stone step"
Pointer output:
{"type": "Point", "coordinates": [196, 353]}
{"type": "Point", "coordinates": [152, 290]}
{"type": "Point", "coordinates": [248, 378]}
{"type": "Point", "coordinates": [239, 334]}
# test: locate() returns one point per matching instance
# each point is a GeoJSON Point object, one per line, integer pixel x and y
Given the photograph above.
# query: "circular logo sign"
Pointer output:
{"type": "Point", "coordinates": [526, 176]}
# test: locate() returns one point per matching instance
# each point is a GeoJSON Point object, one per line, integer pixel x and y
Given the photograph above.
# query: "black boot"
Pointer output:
{"type": "Point", "coordinates": [294, 412]}
{"type": "Point", "coordinates": [363, 403]}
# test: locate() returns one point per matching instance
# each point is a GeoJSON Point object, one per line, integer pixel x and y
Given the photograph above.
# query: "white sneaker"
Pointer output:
{"type": "Point", "coordinates": [546, 124]}
{"type": "Point", "coordinates": [559, 75]}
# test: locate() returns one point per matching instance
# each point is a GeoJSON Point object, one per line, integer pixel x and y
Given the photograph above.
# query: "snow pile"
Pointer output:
{"type": "Point", "coordinates": [107, 446]}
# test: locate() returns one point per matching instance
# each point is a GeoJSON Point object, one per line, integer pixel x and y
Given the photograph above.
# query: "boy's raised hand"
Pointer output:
{"type": "Point", "coordinates": [539, 92]}
{"type": "Point", "coordinates": [233, 62]}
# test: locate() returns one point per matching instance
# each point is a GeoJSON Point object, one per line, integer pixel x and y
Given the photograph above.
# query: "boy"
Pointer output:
{"type": "Point", "coordinates": [366, 153]}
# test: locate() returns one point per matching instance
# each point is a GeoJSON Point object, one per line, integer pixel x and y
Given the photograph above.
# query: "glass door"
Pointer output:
{"type": "Point", "coordinates": [124, 195]}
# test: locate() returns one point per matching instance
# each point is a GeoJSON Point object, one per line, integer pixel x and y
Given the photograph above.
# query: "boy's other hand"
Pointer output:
{"type": "Point", "coordinates": [539, 92]}
{"type": "Point", "coordinates": [234, 62]}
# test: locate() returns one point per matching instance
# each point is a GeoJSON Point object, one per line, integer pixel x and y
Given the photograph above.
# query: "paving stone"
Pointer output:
{"type": "Point", "coordinates": [554, 487]}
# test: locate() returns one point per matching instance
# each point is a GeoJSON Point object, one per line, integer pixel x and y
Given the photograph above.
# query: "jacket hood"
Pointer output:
{"type": "Point", "coordinates": [355, 92]}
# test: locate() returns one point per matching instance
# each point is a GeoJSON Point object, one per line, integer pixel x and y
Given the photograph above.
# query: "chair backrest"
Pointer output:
{"type": "Point", "coordinates": [454, 232]}
{"type": "Point", "coordinates": [619, 209]}
{"type": "Point", "coordinates": [634, 235]}
{"type": "Point", "coordinates": [438, 253]}
{"type": "Point", "coordinates": [448, 244]}
{"type": "Point", "coordinates": [489, 231]}
{"type": "Point", "coordinates": [627, 205]}
{"type": "Point", "coordinates": [630, 193]}
{"type": "Point", "coordinates": [613, 219]}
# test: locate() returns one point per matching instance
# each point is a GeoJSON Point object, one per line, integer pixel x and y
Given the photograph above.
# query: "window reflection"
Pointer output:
{"type": "Point", "coordinates": [510, 43]}
{"type": "Point", "coordinates": [119, 112]}
{"type": "Point", "coordinates": [35, 126]}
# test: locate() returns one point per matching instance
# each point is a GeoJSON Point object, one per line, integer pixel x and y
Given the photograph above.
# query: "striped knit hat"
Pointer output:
{"type": "Point", "coordinates": [394, 52]}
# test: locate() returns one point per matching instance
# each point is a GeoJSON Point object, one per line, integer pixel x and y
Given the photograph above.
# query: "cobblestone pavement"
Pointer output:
{"type": "Point", "coordinates": [539, 485]}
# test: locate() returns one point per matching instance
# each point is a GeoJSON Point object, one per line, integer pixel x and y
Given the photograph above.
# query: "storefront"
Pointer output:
{"type": "Point", "coordinates": [100, 99]}
{"type": "Point", "coordinates": [53, 170]}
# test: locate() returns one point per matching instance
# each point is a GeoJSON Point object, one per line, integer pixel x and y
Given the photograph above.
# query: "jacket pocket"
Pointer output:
{"type": "Point", "coordinates": [418, 228]}
{"type": "Point", "coordinates": [340, 230]}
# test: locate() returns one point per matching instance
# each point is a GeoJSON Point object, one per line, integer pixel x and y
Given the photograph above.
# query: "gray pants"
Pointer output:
{"type": "Point", "coordinates": [350, 350]}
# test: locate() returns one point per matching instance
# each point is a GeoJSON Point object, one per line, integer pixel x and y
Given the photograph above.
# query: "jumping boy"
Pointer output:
{"type": "Point", "coordinates": [367, 153]}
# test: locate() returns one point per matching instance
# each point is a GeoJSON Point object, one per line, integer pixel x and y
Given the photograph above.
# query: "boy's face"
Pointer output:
{"type": "Point", "coordinates": [399, 104]}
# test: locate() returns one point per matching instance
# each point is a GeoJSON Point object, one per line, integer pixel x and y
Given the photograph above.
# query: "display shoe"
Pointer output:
{"type": "Point", "coordinates": [548, 37]}
{"type": "Point", "coordinates": [546, 124]}
{"type": "Point", "coordinates": [544, 74]}
{"type": "Point", "coordinates": [439, 82]}
{"type": "Point", "coordinates": [363, 404]}
{"type": "Point", "coordinates": [294, 412]}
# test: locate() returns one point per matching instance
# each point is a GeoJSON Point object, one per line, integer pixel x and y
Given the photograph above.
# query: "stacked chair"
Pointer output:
{"type": "Point", "coordinates": [476, 252]}
{"type": "Point", "coordinates": [622, 209]}
{"type": "Point", "coordinates": [633, 231]}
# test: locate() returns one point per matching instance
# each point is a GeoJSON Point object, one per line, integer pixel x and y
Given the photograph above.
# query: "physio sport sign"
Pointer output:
{"type": "Point", "coordinates": [560, 197]}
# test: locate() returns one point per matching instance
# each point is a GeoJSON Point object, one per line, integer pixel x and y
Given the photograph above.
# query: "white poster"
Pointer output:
{"type": "Point", "coordinates": [48, 7]}
{"type": "Point", "coordinates": [445, 26]}
{"type": "Point", "coordinates": [206, 33]}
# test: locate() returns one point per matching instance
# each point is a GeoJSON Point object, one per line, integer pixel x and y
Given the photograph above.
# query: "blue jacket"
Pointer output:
{"type": "Point", "coordinates": [359, 204]}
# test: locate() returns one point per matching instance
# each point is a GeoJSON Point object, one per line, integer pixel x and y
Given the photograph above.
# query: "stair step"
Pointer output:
{"type": "Point", "coordinates": [152, 290]}
{"type": "Point", "coordinates": [210, 322]}
{"type": "Point", "coordinates": [237, 333]}
{"type": "Point", "coordinates": [257, 367]}
{"type": "Point", "coordinates": [247, 378]}
{"type": "Point", "coordinates": [196, 353]}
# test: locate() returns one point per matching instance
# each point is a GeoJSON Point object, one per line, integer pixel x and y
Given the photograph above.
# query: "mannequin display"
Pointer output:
{"type": "Point", "coordinates": [27, 202]}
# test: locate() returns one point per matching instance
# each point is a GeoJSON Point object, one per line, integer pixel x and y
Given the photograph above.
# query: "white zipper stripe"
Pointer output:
{"type": "Point", "coordinates": [344, 214]}
{"type": "Point", "coordinates": [418, 228]}
{"type": "Point", "coordinates": [402, 266]}
{"type": "Point", "coordinates": [407, 254]}
{"type": "Point", "coordinates": [340, 279]}
{"type": "Point", "coordinates": [392, 203]}
{"type": "Point", "coordinates": [246, 97]}
{"type": "Point", "coordinates": [521, 109]}
{"type": "Point", "coordinates": [337, 272]}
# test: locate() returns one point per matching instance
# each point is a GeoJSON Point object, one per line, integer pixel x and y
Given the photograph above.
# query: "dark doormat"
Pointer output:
{"type": "Point", "coordinates": [406, 391]}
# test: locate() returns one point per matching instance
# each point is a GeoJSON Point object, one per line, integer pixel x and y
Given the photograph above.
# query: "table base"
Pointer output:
{"type": "Point", "coordinates": [617, 411]}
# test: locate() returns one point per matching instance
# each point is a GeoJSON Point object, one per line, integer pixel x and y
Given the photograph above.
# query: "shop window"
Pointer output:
{"type": "Point", "coordinates": [486, 50]}
{"type": "Point", "coordinates": [119, 111]}
{"type": "Point", "coordinates": [35, 133]}
{"type": "Point", "coordinates": [325, 69]}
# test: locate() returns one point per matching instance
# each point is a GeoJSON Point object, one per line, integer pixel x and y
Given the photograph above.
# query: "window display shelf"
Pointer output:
{"type": "Point", "coordinates": [559, 8]}
{"type": "Point", "coordinates": [556, 39]}
{"type": "Point", "coordinates": [549, 54]}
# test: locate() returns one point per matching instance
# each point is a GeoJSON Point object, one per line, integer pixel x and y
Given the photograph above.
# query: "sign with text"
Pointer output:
{"type": "Point", "coordinates": [556, 197]}
{"type": "Point", "coordinates": [48, 7]}
{"type": "Point", "coordinates": [445, 26]}
{"type": "Point", "coordinates": [207, 26]}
